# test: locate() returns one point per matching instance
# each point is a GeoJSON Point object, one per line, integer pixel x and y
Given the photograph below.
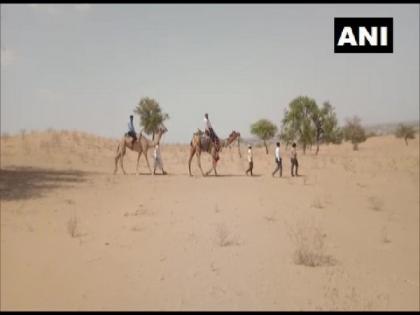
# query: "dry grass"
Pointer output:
{"type": "Point", "coordinates": [310, 247]}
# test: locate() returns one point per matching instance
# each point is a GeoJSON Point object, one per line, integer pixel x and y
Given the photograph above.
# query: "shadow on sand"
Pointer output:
{"type": "Point", "coordinates": [27, 182]}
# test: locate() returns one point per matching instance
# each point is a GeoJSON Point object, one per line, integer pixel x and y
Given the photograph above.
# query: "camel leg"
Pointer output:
{"type": "Point", "coordinates": [213, 164]}
{"type": "Point", "coordinates": [137, 166]}
{"type": "Point", "coordinates": [192, 151]}
{"type": "Point", "coordinates": [117, 157]}
{"type": "Point", "coordinates": [199, 162]}
{"type": "Point", "coordinates": [214, 167]}
{"type": "Point", "coordinates": [147, 161]}
{"type": "Point", "coordinates": [121, 162]}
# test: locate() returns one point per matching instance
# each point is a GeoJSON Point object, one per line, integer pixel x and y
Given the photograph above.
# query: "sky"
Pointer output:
{"type": "Point", "coordinates": [86, 67]}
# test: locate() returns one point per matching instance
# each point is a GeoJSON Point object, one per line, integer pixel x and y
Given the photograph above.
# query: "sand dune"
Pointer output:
{"type": "Point", "coordinates": [343, 236]}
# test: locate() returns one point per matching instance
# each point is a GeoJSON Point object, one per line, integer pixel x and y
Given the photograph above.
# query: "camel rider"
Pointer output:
{"type": "Point", "coordinates": [131, 131]}
{"type": "Point", "coordinates": [210, 132]}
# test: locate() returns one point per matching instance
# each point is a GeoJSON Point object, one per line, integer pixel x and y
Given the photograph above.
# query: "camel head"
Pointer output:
{"type": "Point", "coordinates": [233, 136]}
{"type": "Point", "coordinates": [161, 129]}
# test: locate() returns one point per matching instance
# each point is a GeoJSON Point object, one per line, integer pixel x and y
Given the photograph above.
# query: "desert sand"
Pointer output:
{"type": "Point", "coordinates": [342, 236]}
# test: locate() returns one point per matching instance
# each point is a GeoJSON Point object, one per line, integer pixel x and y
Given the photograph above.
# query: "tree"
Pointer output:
{"type": "Point", "coordinates": [298, 121]}
{"type": "Point", "coordinates": [265, 130]}
{"type": "Point", "coordinates": [354, 132]}
{"type": "Point", "coordinates": [326, 125]}
{"type": "Point", "coordinates": [151, 115]}
{"type": "Point", "coordinates": [406, 132]}
{"type": "Point", "coordinates": [287, 135]}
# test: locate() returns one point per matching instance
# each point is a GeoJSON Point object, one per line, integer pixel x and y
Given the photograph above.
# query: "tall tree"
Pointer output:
{"type": "Point", "coordinates": [298, 121]}
{"type": "Point", "coordinates": [265, 130]}
{"type": "Point", "coordinates": [326, 125]}
{"type": "Point", "coordinates": [151, 115]}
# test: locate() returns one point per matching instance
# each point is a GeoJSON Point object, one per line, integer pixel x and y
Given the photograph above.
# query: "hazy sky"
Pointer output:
{"type": "Point", "coordinates": [87, 66]}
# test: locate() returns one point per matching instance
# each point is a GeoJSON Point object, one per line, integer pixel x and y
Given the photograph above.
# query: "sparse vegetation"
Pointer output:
{"type": "Point", "coordinates": [406, 132]}
{"type": "Point", "coordinates": [309, 242]}
{"type": "Point", "coordinates": [354, 132]}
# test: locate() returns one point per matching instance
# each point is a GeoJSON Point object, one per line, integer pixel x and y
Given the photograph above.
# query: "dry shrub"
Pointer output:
{"type": "Point", "coordinates": [385, 237]}
{"type": "Point", "coordinates": [317, 204]}
{"type": "Point", "coordinates": [309, 251]}
{"type": "Point", "coordinates": [72, 227]}
{"type": "Point", "coordinates": [271, 217]}
{"type": "Point", "coordinates": [375, 203]}
{"type": "Point", "coordinates": [223, 237]}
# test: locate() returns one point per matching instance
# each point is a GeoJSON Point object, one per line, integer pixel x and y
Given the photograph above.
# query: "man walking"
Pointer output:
{"type": "Point", "coordinates": [279, 166]}
{"type": "Point", "coordinates": [157, 160]}
{"type": "Point", "coordinates": [293, 160]}
{"type": "Point", "coordinates": [250, 161]}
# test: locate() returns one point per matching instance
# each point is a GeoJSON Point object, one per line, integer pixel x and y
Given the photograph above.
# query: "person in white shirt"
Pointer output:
{"type": "Point", "coordinates": [210, 131]}
{"type": "Point", "coordinates": [250, 161]}
{"type": "Point", "coordinates": [157, 160]}
{"type": "Point", "coordinates": [279, 166]}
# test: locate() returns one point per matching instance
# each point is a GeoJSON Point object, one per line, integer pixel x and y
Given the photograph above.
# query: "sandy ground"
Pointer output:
{"type": "Point", "coordinates": [344, 235]}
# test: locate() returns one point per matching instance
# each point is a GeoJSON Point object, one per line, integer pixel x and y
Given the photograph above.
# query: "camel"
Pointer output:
{"type": "Point", "coordinates": [201, 143]}
{"type": "Point", "coordinates": [141, 146]}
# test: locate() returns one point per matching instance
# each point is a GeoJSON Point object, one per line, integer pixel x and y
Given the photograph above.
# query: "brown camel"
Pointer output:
{"type": "Point", "coordinates": [201, 143]}
{"type": "Point", "coordinates": [141, 146]}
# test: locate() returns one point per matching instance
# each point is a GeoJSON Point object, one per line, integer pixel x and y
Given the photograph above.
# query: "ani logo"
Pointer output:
{"type": "Point", "coordinates": [363, 35]}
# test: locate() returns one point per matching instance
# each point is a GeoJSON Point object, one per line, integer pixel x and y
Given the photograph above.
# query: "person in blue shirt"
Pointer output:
{"type": "Point", "coordinates": [131, 131]}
